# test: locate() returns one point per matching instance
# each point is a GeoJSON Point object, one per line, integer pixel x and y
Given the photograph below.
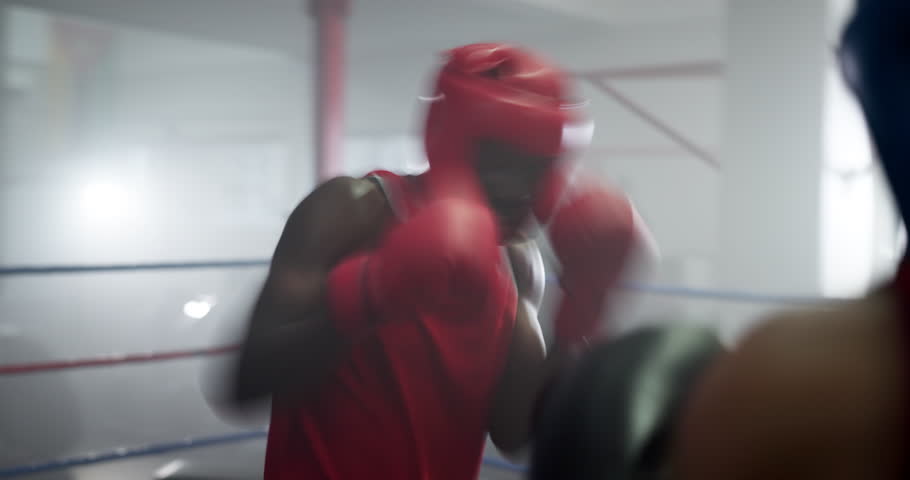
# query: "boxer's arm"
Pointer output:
{"type": "Point", "coordinates": [760, 411]}
{"type": "Point", "coordinates": [528, 369]}
{"type": "Point", "coordinates": [291, 342]}
{"type": "Point", "coordinates": [795, 396]}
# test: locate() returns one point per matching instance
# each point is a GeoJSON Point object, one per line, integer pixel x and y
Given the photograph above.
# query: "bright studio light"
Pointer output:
{"type": "Point", "coordinates": [199, 308]}
{"type": "Point", "coordinates": [169, 469]}
{"type": "Point", "coordinates": [104, 200]}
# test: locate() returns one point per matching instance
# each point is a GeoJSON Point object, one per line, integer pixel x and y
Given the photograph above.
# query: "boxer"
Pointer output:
{"type": "Point", "coordinates": [823, 394]}
{"type": "Point", "coordinates": [392, 331]}
{"type": "Point", "coordinates": [813, 394]}
{"type": "Point", "coordinates": [818, 394]}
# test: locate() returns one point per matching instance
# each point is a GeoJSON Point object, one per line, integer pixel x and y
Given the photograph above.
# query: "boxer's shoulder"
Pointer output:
{"type": "Point", "coordinates": [357, 200]}
{"type": "Point", "coordinates": [403, 193]}
{"type": "Point", "coordinates": [853, 334]}
{"type": "Point", "coordinates": [802, 386]}
{"type": "Point", "coordinates": [746, 411]}
{"type": "Point", "coordinates": [814, 354]}
{"type": "Point", "coordinates": [337, 217]}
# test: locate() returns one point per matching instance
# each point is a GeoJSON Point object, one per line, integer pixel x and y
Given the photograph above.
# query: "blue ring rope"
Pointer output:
{"type": "Point", "coordinates": [123, 453]}
{"type": "Point", "coordinates": [718, 295]}
{"type": "Point", "coordinates": [730, 295]}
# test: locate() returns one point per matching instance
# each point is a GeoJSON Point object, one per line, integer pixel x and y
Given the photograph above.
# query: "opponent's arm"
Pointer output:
{"type": "Point", "coordinates": [291, 340]}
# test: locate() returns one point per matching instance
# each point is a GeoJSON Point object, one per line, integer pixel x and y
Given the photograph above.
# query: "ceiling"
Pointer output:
{"type": "Point", "coordinates": [383, 27]}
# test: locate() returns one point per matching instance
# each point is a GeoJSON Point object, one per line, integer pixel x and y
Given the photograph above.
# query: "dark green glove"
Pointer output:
{"type": "Point", "coordinates": [612, 417]}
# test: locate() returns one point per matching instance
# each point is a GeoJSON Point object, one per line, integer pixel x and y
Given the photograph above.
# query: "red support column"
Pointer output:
{"type": "Point", "coordinates": [4, 61]}
{"type": "Point", "coordinates": [330, 16]}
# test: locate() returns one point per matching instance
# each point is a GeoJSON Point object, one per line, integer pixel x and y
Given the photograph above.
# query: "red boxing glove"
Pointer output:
{"type": "Point", "coordinates": [444, 260]}
{"type": "Point", "coordinates": [593, 235]}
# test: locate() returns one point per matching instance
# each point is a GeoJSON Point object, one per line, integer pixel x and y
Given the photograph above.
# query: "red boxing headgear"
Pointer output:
{"type": "Point", "coordinates": [489, 91]}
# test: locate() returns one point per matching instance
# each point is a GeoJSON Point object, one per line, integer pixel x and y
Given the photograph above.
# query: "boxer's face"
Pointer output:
{"type": "Point", "coordinates": [510, 179]}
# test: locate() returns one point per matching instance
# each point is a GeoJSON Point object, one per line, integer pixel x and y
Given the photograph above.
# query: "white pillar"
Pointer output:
{"type": "Point", "coordinates": [773, 146]}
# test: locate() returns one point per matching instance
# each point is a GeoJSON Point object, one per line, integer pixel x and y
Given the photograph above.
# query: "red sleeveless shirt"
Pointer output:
{"type": "Point", "coordinates": [410, 402]}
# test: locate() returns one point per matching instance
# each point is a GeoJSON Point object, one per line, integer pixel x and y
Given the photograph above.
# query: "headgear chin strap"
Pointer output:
{"type": "Point", "coordinates": [489, 91]}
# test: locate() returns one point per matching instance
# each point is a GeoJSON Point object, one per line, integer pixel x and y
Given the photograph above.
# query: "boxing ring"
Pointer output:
{"type": "Point", "coordinates": [329, 114]}
{"type": "Point", "coordinates": [329, 148]}
{"type": "Point", "coordinates": [127, 360]}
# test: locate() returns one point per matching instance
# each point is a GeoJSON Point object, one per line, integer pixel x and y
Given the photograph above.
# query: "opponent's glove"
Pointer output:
{"type": "Point", "coordinates": [615, 414]}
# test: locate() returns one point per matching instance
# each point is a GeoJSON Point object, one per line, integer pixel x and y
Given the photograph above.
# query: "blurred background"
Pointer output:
{"type": "Point", "coordinates": [139, 131]}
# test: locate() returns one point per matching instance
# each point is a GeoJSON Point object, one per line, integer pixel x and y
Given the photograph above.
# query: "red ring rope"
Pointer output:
{"type": "Point", "coordinates": [110, 360]}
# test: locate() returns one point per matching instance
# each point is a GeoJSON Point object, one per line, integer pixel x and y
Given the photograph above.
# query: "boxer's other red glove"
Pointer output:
{"type": "Point", "coordinates": [594, 235]}
{"type": "Point", "coordinates": [444, 260]}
